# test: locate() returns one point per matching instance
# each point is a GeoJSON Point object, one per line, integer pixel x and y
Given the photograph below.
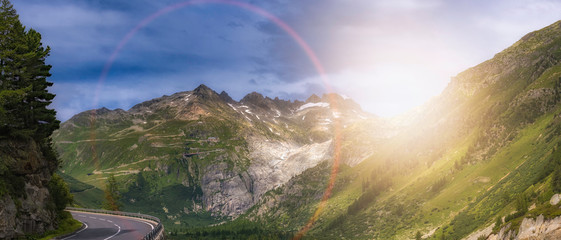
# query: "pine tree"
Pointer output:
{"type": "Point", "coordinates": [112, 195]}
{"type": "Point", "coordinates": [23, 80]}
{"type": "Point", "coordinates": [418, 236]}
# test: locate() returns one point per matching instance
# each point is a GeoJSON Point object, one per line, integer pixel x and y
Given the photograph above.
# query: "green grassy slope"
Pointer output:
{"type": "Point", "coordinates": [487, 139]}
{"type": "Point", "coordinates": [152, 148]}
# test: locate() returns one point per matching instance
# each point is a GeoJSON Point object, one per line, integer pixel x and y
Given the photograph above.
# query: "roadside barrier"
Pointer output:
{"type": "Point", "coordinates": [156, 234]}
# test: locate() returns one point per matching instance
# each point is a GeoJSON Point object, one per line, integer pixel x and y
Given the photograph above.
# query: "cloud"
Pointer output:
{"type": "Point", "coordinates": [390, 55]}
{"type": "Point", "coordinates": [233, 24]}
{"type": "Point", "coordinates": [394, 55]}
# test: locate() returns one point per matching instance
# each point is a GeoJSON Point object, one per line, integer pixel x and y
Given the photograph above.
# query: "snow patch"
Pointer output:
{"type": "Point", "coordinates": [309, 105]}
{"type": "Point", "coordinates": [235, 109]}
{"type": "Point", "coordinates": [336, 114]}
{"type": "Point", "coordinates": [186, 98]}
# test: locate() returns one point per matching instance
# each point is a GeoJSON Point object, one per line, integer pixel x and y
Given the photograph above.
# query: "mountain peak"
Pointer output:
{"type": "Point", "coordinates": [202, 88]}
{"type": "Point", "coordinates": [225, 97]}
{"type": "Point", "coordinates": [313, 99]}
{"type": "Point", "coordinates": [253, 97]}
{"type": "Point", "coordinates": [205, 92]}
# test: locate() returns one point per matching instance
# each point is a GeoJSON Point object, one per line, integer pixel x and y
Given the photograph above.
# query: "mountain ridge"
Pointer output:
{"type": "Point", "coordinates": [224, 154]}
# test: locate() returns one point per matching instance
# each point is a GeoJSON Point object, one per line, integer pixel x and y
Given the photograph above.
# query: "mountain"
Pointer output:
{"type": "Point", "coordinates": [480, 161]}
{"type": "Point", "coordinates": [198, 155]}
{"type": "Point", "coordinates": [484, 155]}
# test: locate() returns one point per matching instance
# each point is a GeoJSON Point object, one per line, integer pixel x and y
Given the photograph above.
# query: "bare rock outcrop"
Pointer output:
{"type": "Point", "coordinates": [230, 192]}
{"type": "Point", "coordinates": [225, 192]}
{"type": "Point", "coordinates": [530, 229]}
{"type": "Point", "coordinates": [24, 209]}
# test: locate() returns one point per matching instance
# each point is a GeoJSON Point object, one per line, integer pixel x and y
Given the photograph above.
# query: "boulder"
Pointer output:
{"type": "Point", "coordinates": [555, 199]}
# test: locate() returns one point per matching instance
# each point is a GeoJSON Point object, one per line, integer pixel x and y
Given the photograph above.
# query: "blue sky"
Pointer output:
{"type": "Point", "coordinates": [388, 55]}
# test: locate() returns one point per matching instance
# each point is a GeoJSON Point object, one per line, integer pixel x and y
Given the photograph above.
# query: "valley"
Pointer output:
{"type": "Point", "coordinates": [480, 160]}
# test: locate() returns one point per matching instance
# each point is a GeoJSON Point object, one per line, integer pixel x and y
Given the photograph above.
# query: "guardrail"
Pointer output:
{"type": "Point", "coordinates": [156, 234]}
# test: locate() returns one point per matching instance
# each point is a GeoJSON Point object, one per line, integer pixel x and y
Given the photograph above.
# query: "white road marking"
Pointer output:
{"type": "Point", "coordinates": [107, 220]}
{"type": "Point", "coordinates": [118, 231]}
{"type": "Point", "coordinates": [77, 232]}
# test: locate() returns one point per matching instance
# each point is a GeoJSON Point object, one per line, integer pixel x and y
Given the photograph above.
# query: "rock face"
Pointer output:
{"type": "Point", "coordinates": [275, 163]}
{"type": "Point", "coordinates": [25, 208]}
{"type": "Point", "coordinates": [539, 228]}
{"type": "Point", "coordinates": [530, 229]}
{"type": "Point", "coordinates": [225, 191]}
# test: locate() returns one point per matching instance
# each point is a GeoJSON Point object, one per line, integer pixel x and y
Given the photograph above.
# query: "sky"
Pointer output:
{"type": "Point", "coordinates": [388, 55]}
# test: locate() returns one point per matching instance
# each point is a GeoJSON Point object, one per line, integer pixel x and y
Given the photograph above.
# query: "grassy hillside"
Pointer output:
{"type": "Point", "coordinates": [490, 138]}
{"type": "Point", "coordinates": [159, 159]}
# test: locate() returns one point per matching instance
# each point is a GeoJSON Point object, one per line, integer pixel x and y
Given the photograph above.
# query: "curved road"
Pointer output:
{"type": "Point", "coordinates": [105, 227]}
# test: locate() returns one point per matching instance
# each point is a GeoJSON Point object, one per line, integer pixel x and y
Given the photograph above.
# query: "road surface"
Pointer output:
{"type": "Point", "coordinates": [104, 227]}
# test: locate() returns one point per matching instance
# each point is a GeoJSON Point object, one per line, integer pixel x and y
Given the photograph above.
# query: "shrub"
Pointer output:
{"type": "Point", "coordinates": [60, 193]}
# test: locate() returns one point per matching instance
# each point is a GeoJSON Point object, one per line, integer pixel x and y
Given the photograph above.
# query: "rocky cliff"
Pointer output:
{"type": "Point", "coordinates": [530, 229]}
{"type": "Point", "coordinates": [25, 204]}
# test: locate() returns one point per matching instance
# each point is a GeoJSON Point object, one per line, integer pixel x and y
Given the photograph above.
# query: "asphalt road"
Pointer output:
{"type": "Point", "coordinates": [104, 227]}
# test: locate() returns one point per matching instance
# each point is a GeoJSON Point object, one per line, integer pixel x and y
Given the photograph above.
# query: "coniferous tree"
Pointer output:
{"type": "Point", "coordinates": [23, 80]}
{"type": "Point", "coordinates": [418, 236]}
{"type": "Point", "coordinates": [112, 195]}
